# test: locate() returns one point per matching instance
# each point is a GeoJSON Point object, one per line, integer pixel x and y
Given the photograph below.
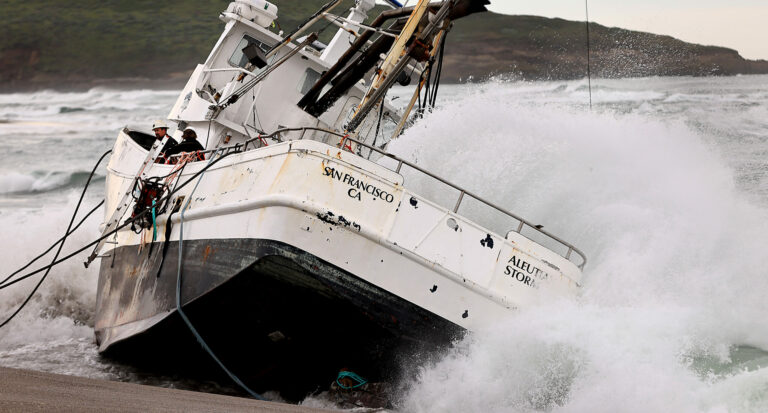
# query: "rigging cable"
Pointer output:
{"type": "Point", "coordinates": [438, 71]}
{"type": "Point", "coordinates": [426, 75]}
{"type": "Point", "coordinates": [7, 282]}
{"type": "Point", "coordinates": [61, 244]}
{"type": "Point", "coordinates": [121, 226]}
{"type": "Point", "coordinates": [178, 296]}
{"type": "Point", "coordinates": [54, 244]}
{"type": "Point", "coordinates": [589, 69]}
{"type": "Point", "coordinates": [164, 199]}
{"type": "Point", "coordinates": [378, 124]}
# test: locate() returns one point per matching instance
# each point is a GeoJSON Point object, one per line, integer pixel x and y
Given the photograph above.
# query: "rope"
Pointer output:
{"type": "Point", "coordinates": [54, 244]}
{"type": "Point", "coordinates": [154, 222]}
{"type": "Point", "coordinates": [378, 124]}
{"type": "Point", "coordinates": [114, 231]}
{"type": "Point", "coordinates": [178, 297]}
{"type": "Point", "coordinates": [350, 375]}
{"type": "Point", "coordinates": [61, 244]}
{"type": "Point", "coordinates": [167, 239]}
{"type": "Point", "coordinates": [438, 71]}
{"type": "Point", "coordinates": [343, 143]}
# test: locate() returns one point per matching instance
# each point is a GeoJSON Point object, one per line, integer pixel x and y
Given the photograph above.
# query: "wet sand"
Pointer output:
{"type": "Point", "coordinates": [32, 391]}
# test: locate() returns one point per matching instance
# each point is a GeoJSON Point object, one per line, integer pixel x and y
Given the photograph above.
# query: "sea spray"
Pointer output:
{"type": "Point", "coordinates": [70, 287]}
{"type": "Point", "coordinates": [56, 324]}
{"type": "Point", "coordinates": [15, 183]}
{"type": "Point", "coordinates": [677, 261]}
{"type": "Point", "coordinates": [664, 185]}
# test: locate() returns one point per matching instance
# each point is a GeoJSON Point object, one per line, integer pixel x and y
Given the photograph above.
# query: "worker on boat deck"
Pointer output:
{"type": "Point", "coordinates": [161, 130]}
{"type": "Point", "coordinates": [188, 144]}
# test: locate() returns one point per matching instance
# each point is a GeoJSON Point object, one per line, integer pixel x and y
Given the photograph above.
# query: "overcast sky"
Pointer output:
{"type": "Point", "coordinates": [737, 24]}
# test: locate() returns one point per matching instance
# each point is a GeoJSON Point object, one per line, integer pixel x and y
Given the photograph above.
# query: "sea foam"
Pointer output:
{"type": "Point", "coordinates": [677, 269]}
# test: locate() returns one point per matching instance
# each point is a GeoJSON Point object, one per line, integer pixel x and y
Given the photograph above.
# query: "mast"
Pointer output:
{"type": "Point", "coordinates": [412, 43]}
{"type": "Point", "coordinates": [435, 49]}
{"type": "Point", "coordinates": [386, 75]}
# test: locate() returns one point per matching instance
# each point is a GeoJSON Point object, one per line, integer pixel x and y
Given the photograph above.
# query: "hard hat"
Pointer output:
{"type": "Point", "coordinates": [159, 124]}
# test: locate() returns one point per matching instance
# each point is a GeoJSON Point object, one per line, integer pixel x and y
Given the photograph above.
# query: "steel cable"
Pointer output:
{"type": "Point", "coordinates": [61, 244]}
{"type": "Point", "coordinates": [121, 226]}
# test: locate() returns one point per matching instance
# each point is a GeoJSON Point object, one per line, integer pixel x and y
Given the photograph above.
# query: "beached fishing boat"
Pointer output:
{"type": "Point", "coordinates": [296, 247]}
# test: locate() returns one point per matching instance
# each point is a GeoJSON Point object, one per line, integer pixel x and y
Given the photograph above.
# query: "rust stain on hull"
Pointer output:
{"type": "Point", "coordinates": [207, 253]}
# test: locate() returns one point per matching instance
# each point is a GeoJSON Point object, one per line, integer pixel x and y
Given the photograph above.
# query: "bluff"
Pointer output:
{"type": "Point", "coordinates": [535, 48]}
{"type": "Point", "coordinates": [73, 45]}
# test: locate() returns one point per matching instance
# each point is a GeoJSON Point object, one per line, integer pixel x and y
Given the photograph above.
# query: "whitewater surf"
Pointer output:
{"type": "Point", "coordinates": [664, 184]}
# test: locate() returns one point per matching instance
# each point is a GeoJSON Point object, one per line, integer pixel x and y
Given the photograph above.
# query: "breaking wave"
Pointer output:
{"type": "Point", "coordinates": [15, 183]}
{"type": "Point", "coordinates": [54, 145]}
{"type": "Point", "coordinates": [671, 316]}
{"type": "Point", "coordinates": [60, 315]}
{"type": "Point", "coordinates": [664, 189]}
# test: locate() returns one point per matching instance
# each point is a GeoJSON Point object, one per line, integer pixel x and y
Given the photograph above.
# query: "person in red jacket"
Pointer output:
{"type": "Point", "coordinates": [189, 143]}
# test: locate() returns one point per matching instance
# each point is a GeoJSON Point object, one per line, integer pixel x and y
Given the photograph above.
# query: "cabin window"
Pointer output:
{"type": "Point", "coordinates": [239, 58]}
{"type": "Point", "coordinates": [308, 80]}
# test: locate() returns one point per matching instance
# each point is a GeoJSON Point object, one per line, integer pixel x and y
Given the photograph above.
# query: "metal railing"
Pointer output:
{"type": "Point", "coordinates": [463, 193]}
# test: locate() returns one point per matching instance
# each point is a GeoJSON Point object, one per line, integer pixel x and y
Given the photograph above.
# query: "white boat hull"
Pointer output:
{"type": "Point", "coordinates": [344, 229]}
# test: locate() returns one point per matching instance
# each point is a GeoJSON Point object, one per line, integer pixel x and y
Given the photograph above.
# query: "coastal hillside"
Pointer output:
{"type": "Point", "coordinates": [532, 47]}
{"type": "Point", "coordinates": [84, 43]}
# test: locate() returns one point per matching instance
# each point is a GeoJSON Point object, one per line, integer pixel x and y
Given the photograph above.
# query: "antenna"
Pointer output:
{"type": "Point", "coordinates": [589, 70]}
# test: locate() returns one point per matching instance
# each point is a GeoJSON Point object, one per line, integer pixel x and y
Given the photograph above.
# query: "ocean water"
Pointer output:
{"type": "Point", "coordinates": [663, 184]}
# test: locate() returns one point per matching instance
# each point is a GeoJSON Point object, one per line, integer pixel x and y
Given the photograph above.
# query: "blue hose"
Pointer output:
{"type": "Point", "coordinates": [178, 297]}
{"type": "Point", "coordinates": [344, 374]}
{"type": "Point", "coordinates": [154, 222]}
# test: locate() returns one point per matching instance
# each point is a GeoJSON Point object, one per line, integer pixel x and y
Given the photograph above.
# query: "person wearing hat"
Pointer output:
{"type": "Point", "coordinates": [189, 143]}
{"type": "Point", "coordinates": [161, 131]}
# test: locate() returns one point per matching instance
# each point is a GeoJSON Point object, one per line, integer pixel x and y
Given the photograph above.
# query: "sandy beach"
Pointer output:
{"type": "Point", "coordinates": [33, 391]}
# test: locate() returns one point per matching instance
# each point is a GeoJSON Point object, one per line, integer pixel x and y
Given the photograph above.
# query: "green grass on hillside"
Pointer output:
{"type": "Point", "coordinates": [115, 38]}
{"type": "Point", "coordinates": [53, 42]}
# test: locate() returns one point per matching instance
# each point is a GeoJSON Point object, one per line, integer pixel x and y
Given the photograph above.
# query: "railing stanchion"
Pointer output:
{"type": "Point", "coordinates": [520, 227]}
{"type": "Point", "coordinates": [568, 254]}
{"type": "Point", "coordinates": [399, 165]}
{"type": "Point", "coordinates": [458, 202]}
